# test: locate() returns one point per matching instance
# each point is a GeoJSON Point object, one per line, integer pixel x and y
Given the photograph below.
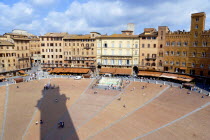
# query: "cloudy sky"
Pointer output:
{"type": "Point", "coordinates": [104, 16]}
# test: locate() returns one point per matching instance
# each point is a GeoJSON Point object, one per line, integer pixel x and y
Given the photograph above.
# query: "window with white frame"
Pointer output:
{"type": "Point", "coordinates": [178, 43]}
{"type": "Point", "coordinates": [98, 51]}
{"type": "Point", "coordinates": [183, 63]}
{"type": "Point", "coordinates": [204, 44]}
{"type": "Point", "coordinates": [105, 61]}
{"type": "Point", "coordinates": [136, 52]}
{"type": "Point", "coordinates": [112, 62]}
{"type": "Point", "coordinates": [173, 43]}
{"type": "Point", "coordinates": [112, 52]}
{"type": "Point", "coordinates": [203, 54]}
{"type": "Point", "coordinates": [112, 44]}
{"type": "Point", "coordinates": [136, 45]}
{"type": "Point", "coordinates": [128, 53]}
{"type": "Point", "coordinates": [105, 52]}
{"type": "Point", "coordinates": [120, 44]}
{"type": "Point", "coordinates": [195, 44]}
{"type": "Point", "coordinates": [120, 62]}
{"type": "Point", "coordinates": [128, 44]}
{"type": "Point", "coordinates": [135, 61]}
{"type": "Point", "coordinates": [120, 52]}
{"type": "Point", "coordinates": [99, 45]}
{"type": "Point", "coordinates": [167, 43]}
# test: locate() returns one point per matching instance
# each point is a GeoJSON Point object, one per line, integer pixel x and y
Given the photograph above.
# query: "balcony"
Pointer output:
{"type": "Point", "coordinates": [116, 55]}
{"type": "Point", "coordinates": [125, 65]}
{"type": "Point", "coordinates": [87, 48]}
{"type": "Point", "coordinates": [23, 58]}
{"type": "Point", "coordinates": [150, 58]}
{"type": "Point", "coordinates": [70, 59]}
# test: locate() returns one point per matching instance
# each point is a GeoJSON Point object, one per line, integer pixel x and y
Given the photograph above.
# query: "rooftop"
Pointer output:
{"type": "Point", "coordinates": [5, 43]}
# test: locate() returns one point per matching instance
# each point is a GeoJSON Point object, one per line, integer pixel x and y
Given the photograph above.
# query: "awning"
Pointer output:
{"type": "Point", "coordinates": [107, 70]}
{"type": "Point", "coordinates": [70, 70]}
{"type": "Point", "coordinates": [185, 78]}
{"type": "Point", "coordinates": [148, 73]}
{"type": "Point", "coordinates": [168, 75]}
{"type": "Point", "coordinates": [21, 71]}
{"type": "Point", "coordinates": [116, 71]}
{"type": "Point", "coordinates": [123, 71]}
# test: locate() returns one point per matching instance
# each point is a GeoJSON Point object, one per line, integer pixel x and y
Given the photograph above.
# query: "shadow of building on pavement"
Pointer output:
{"type": "Point", "coordinates": [53, 111]}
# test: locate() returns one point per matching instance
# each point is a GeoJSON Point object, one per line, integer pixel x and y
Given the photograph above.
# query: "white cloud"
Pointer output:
{"type": "Point", "coordinates": [11, 16]}
{"type": "Point", "coordinates": [102, 16]}
{"type": "Point", "coordinates": [42, 2]}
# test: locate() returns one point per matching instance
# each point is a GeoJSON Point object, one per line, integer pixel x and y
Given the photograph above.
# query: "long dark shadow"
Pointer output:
{"type": "Point", "coordinates": [52, 106]}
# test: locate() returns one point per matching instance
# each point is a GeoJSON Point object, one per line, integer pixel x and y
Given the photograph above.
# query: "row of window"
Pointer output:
{"type": "Point", "coordinates": [177, 63]}
{"type": "Point", "coordinates": [172, 53]}
{"type": "Point", "coordinates": [118, 52]}
{"type": "Point", "coordinates": [52, 56]}
{"type": "Point", "coordinates": [149, 38]}
{"type": "Point", "coordinates": [184, 64]}
{"type": "Point", "coordinates": [184, 53]}
{"type": "Point", "coordinates": [51, 44]}
{"type": "Point", "coordinates": [195, 44]}
{"type": "Point", "coordinates": [78, 44]}
{"type": "Point", "coordinates": [51, 50]}
{"type": "Point", "coordinates": [18, 48]}
{"type": "Point", "coordinates": [176, 43]}
{"type": "Point", "coordinates": [51, 39]}
{"type": "Point", "coordinates": [79, 40]}
{"type": "Point", "coordinates": [34, 46]}
{"type": "Point", "coordinates": [18, 66]}
{"type": "Point", "coordinates": [105, 45]}
{"type": "Point", "coordinates": [148, 55]}
{"type": "Point", "coordinates": [118, 62]}
{"type": "Point", "coordinates": [149, 45]}
{"type": "Point", "coordinates": [13, 54]}
{"type": "Point", "coordinates": [7, 61]}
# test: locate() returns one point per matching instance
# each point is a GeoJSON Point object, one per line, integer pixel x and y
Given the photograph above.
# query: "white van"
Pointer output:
{"type": "Point", "coordinates": [78, 78]}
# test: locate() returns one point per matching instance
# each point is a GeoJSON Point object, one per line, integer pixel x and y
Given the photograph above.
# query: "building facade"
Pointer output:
{"type": "Point", "coordinates": [148, 49]}
{"type": "Point", "coordinates": [22, 47]}
{"type": "Point", "coordinates": [8, 59]}
{"type": "Point", "coordinates": [15, 52]}
{"type": "Point", "coordinates": [35, 51]}
{"type": "Point", "coordinates": [51, 45]}
{"type": "Point", "coordinates": [118, 50]}
{"type": "Point", "coordinates": [189, 52]}
{"type": "Point", "coordinates": [80, 50]}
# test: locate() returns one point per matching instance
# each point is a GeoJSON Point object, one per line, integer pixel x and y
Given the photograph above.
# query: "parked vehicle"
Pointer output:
{"type": "Point", "coordinates": [78, 78]}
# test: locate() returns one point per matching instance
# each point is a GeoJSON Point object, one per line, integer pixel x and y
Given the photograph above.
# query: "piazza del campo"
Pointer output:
{"type": "Point", "coordinates": [151, 85]}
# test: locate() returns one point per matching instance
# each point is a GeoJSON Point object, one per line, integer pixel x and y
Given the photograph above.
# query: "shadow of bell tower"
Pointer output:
{"type": "Point", "coordinates": [53, 111]}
